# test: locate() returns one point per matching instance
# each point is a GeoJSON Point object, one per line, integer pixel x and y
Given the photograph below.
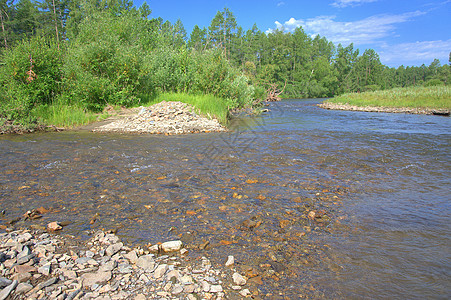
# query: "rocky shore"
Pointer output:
{"type": "Point", "coordinates": [45, 265]}
{"type": "Point", "coordinates": [163, 118]}
{"type": "Point", "coordinates": [407, 110]}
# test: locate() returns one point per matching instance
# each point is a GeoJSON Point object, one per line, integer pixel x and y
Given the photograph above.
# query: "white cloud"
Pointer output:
{"type": "Point", "coordinates": [370, 30]}
{"type": "Point", "coordinates": [281, 3]}
{"type": "Point", "coordinates": [344, 3]}
{"type": "Point", "coordinates": [415, 53]}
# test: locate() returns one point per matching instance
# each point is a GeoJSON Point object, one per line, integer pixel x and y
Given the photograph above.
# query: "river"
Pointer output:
{"type": "Point", "coordinates": [378, 183]}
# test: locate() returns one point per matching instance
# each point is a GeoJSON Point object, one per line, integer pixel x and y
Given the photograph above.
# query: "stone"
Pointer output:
{"type": "Point", "coordinates": [154, 248]}
{"type": "Point", "coordinates": [21, 277]}
{"type": "Point", "coordinates": [160, 271]}
{"type": "Point", "coordinates": [245, 292]}
{"type": "Point", "coordinates": [25, 259]}
{"type": "Point", "coordinates": [238, 279]}
{"type": "Point", "coordinates": [24, 269]}
{"type": "Point", "coordinates": [215, 288]}
{"type": "Point", "coordinates": [25, 252]}
{"type": "Point", "coordinates": [97, 277]}
{"type": "Point", "coordinates": [108, 266]}
{"type": "Point", "coordinates": [230, 261]}
{"type": "Point", "coordinates": [146, 262]}
{"type": "Point", "coordinates": [186, 279]}
{"type": "Point", "coordinates": [132, 256]}
{"type": "Point", "coordinates": [140, 297]}
{"type": "Point", "coordinates": [4, 282]}
{"type": "Point", "coordinates": [54, 226]}
{"type": "Point", "coordinates": [82, 260]}
{"type": "Point", "coordinates": [205, 286]}
{"type": "Point", "coordinates": [7, 290]}
{"type": "Point", "coordinates": [90, 254]}
{"type": "Point", "coordinates": [45, 269]}
{"type": "Point", "coordinates": [189, 288]}
{"type": "Point", "coordinates": [70, 274]}
{"type": "Point", "coordinates": [23, 288]}
{"type": "Point", "coordinates": [312, 215]}
{"type": "Point", "coordinates": [124, 268]}
{"type": "Point", "coordinates": [171, 246]}
{"type": "Point", "coordinates": [113, 249]}
{"type": "Point", "coordinates": [177, 289]}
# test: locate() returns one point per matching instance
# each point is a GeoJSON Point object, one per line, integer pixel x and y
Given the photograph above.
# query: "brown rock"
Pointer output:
{"type": "Point", "coordinates": [54, 226]}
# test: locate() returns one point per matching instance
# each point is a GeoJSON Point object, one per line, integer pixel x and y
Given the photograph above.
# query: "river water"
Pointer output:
{"type": "Point", "coordinates": [379, 185]}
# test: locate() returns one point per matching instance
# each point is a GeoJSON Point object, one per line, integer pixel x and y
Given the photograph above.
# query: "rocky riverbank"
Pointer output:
{"type": "Point", "coordinates": [162, 118]}
{"type": "Point", "coordinates": [407, 110]}
{"type": "Point", "coordinates": [44, 265]}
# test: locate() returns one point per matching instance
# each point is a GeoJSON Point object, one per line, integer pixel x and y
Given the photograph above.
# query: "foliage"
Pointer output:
{"type": "Point", "coordinates": [88, 53]}
{"type": "Point", "coordinates": [438, 97]}
{"type": "Point", "coordinates": [31, 76]}
{"type": "Point", "coordinates": [104, 64]}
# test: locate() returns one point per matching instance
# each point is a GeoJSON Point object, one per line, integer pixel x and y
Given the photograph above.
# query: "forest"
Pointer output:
{"type": "Point", "coordinates": [85, 54]}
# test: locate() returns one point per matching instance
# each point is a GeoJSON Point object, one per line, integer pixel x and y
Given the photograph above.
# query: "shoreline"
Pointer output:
{"type": "Point", "coordinates": [166, 117]}
{"type": "Point", "coordinates": [39, 264]}
{"type": "Point", "coordinates": [406, 110]}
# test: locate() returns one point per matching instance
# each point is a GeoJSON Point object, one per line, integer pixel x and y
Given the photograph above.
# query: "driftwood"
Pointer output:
{"type": "Point", "coordinates": [273, 92]}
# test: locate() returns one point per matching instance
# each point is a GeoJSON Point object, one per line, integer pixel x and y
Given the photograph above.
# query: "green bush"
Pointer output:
{"type": "Point", "coordinates": [105, 64]}
{"type": "Point", "coordinates": [434, 82]}
{"type": "Point", "coordinates": [30, 76]}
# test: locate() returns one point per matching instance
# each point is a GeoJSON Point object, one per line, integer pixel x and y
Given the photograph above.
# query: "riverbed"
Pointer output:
{"type": "Point", "coordinates": [311, 202]}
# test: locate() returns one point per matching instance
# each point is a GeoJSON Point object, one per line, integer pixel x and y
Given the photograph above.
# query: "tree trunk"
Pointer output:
{"type": "Point", "coordinates": [3, 30]}
{"type": "Point", "coordinates": [56, 25]}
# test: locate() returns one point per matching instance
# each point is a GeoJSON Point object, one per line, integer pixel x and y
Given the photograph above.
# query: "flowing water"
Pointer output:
{"type": "Point", "coordinates": [379, 185]}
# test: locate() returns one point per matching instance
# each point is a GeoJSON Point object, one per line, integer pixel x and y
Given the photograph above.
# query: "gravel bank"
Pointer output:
{"type": "Point", "coordinates": [407, 110]}
{"type": "Point", "coordinates": [163, 118]}
{"type": "Point", "coordinates": [41, 265]}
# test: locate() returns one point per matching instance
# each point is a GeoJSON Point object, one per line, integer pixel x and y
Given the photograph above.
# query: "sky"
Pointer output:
{"type": "Point", "coordinates": [402, 32]}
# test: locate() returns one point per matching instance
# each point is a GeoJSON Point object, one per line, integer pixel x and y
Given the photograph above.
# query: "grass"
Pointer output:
{"type": "Point", "coordinates": [435, 97]}
{"type": "Point", "coordinates": [208, 105]}
{"type": "Point", "coordinates": [67, 116]}
{"type": "Point", "coordinates": [64, 115]}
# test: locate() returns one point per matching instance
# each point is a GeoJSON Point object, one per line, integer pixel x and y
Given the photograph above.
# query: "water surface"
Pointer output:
{"type": "Point", "coordinates": [381, 181]}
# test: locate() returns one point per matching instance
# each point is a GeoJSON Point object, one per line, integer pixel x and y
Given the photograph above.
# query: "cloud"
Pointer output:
{"type": "Point", "coordinates": [281, 3]}
{"type": "Point", "coordinates": [415, 53]}
{"type": "Point", "coordinates": [344, 3]}
{"type": "Point", "coordinates": [370, 30]}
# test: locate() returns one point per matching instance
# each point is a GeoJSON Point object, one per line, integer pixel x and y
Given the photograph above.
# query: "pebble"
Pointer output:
{"type": "Point", "coordinates": [171, 246]}
{"type": "Point", "coordinates": [238, 279]}
{"type": "Point", "coordinates": [230, 261]}
{"type": "Point", "coordinates": [171, 117]}
{"type": "Point", "coordinates": [103, 272]}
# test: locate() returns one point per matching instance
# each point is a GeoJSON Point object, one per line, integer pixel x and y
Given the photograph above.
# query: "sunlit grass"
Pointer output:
{"type": "Point", "coordinates": [436, 97]}
{"type": "Point", "coordinates": [67, 116]}
{"type": "Point", "coordinates": [208, 105]}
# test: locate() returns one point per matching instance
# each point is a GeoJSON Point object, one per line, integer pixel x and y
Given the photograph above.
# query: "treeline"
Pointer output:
{"type": "Point", "coordinates": [310, 66]}
{"type": "Point", "coordinates": [89, 53]}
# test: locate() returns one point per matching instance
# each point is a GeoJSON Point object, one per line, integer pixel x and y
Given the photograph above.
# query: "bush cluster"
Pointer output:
{"type": "Point", "coordinates": [114, 59]}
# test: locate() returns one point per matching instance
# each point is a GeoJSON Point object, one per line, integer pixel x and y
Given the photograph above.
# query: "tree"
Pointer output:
{"type": "Point", "coordinates": [221, 29]}
{"type": "Point", "coordinates": [198, 39]}
{"type": "Point", "coordinates": [344, 63]}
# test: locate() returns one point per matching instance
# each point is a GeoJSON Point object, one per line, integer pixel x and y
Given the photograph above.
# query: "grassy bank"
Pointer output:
{"type": "Point", "coordinates": [436, 97]}
{"type": "Point", "coordinates": [68, 116]}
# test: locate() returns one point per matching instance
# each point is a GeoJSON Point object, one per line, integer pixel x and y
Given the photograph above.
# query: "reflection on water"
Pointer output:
{"type": "Point", "coordinates": [378, 182]}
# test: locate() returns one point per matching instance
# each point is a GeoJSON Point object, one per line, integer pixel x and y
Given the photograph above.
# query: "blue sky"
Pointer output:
{"type": "Point", "coordinates": [403, 32]}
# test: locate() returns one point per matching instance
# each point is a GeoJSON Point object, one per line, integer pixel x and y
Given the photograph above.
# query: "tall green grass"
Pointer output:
{"type": "Point", "coordinates": [434, 97]}
{"type": "Point", "coordinates": [64, 115]}
{"type": "Point", "coordinates": [208, 105]}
